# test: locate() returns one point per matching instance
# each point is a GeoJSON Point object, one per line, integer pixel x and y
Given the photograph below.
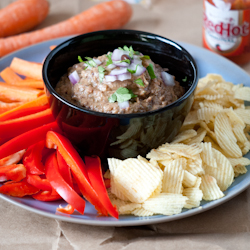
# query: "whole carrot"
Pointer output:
{"type": "Point", "coordinates": [21, 16]}
{"type": "Point", "coordinates": [107, 15]}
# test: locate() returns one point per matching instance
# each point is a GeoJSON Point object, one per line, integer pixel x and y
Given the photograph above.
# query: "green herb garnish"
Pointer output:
{"type": "Point", "coordinates": [145, 57]}
{"type": "Point", "coordinates": [126, 60]}
{"type": "Point", "coordinates": [101, 73]}
{"type": "Point", "coordinates": [151, 72]}
{"type": "Point", "coordinates": [122, 95]}
{"type": "Point", "coordinates": [129, 49]}
{"type": "Point", "coordinates": [109, 61]}
{"type": "Point", "coordinates": [132, 71]}
{"type": "Point", "coordinates": [80, 59]}
{"type": "Point", "coordinates": [113, 98]}
{"type": "Point", "coordinates": [90, 62]}
{"type": "Point", "coordinates": [139, 82]}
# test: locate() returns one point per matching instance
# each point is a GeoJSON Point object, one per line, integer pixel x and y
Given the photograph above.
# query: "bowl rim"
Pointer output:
{"type": "Point", "coordinates": [111, 115]}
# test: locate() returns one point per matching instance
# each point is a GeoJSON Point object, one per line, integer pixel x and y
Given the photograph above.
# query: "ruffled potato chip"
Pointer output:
{"type": "Point", "coordinates": [137, 180]}
{"type": "Point", "coordinates": [173, 176]}
{"type": "Point", "coordinates": [167, 204]}
{"type": "Point", "coordinates": [223, 173]}
{"type": "Point", "coordinates": [210, 189]}
{"type": "Point", "coordinates": [225, 137]}
{"type": "Point", "coordinates": [194, 196]}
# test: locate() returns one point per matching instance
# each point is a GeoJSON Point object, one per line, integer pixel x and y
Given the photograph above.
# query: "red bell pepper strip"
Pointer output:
{"type": "Point", "coordinates": [77, 166]}
{"type": "Point", "coordinates": [37, 181]}
{"type": "Point", "coordinates": [12, 159]}
{"type": "Point", "coordinates": [47, 196]}
{"type": "Point", "coordinates": [23, 112]}
{"type": "Point", "coordinates": [18, 189]}
{"type": "Point", "coordinates": [24, 140]}
{"type": "Point", "coordinates": [64, 169]}
{"type": "Point", "coordinates": [61, 186]}
{"type": "Point", "coordinates": [15, 127]}
{"type": "Point", "coordinates": [94, 169]}
{"type": "Point", "coordinates": [14, 172]}
{"type": "Point", "coordinates": [66, 210]}
{"type": "Point", "coordinates": [32, 158]}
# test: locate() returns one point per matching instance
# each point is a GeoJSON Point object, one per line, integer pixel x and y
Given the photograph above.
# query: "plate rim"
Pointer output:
{"type": "Point", "coordinates": [244, 184]}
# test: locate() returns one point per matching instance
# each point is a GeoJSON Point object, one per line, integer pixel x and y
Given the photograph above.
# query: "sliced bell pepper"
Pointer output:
{"type": "Point", "coordinates": [47, 196]}
{"type": "Point", "coordinates": [61, 186]}
{"type": "Point", "coordinates": [18, 189]}
{"type": "Point", "coordinates": [94, 169]}
{"type": "Point", "coordinates": [32, 158]}
{"type": "Point", "coordinates": [66, 210]}
{"type": "Point", "coordinates": [12, 159]}
{"type": "Point", "coordinates": [24, 112]}
{"type": "Point", "coordinates": [37, 181]}
{"type": "Point", "coordinates": [15, 127]}
{"type": "Point", "coordinates": [24, 140]}
{"type": "Point", "coordinates": [77, 166]}
{"type": "Point", "coordinates": [14, 172]}
{"type": "Point", "coordinates": [64, 169]}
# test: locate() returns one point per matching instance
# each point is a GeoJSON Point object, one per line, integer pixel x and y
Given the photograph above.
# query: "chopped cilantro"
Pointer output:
{"type": "Point", "coordinates": [122, 95]}
{"type": "Point", "coordinates": [151, 72]}
{"type": "Point", "coordinates": [109, 61]}
{"type": "Point", "coordinates": [101, 73]}
{"type": "Point", "coordinates": [145, 57]}
{"type": "Point", "coordinates": [126, 60]}
{"type": "Point", "coordinates": [128, 49]}
{"type": "Point", "coordinates": [80, 59]}
{"type": "Point", "coordinates": [90, 62]}
{"type": "Point", "coordinates": [139, 82]}
{"type": "Point", "coordinates": [113, 98]}
{"type": "Point", "coordinates": [132, 71]}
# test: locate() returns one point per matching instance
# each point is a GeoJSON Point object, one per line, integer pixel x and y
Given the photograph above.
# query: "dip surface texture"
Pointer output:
{"type": "Point", "coordinates": [96, 84]}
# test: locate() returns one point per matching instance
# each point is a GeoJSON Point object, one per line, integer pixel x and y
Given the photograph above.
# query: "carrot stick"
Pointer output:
{"type": "Point", "coordinates": [26, 68]}
{"type": "Point", "coordinates": [22, 16]}
{"type": "Point", "coordinates": [52, 47]}
{"type": "Point", "coordinates": [40, 101]}
{"type": "Point", "coordinates": [107, 15]}
{"type": "Point", "coordinates": [10, 76]}
{"type": "Point", "coordinates": [16, 93]}
{"type": "Point", "coordinates": [37, 84]}
{"type": "Point", "coordinates": [8, 106]}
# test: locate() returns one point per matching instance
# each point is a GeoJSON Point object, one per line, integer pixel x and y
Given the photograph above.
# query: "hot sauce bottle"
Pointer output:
{"type": "Point", "coordinates": [226, 28]}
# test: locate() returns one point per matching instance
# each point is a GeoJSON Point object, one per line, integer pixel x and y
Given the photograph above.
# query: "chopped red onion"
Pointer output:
{"type": "Point", "coordinates": [121, 64]}
{"type": "Point", "coordinates": [125, 76]}
{"type": "Point", "coordinates": [74, 77]}
{"type": "Point", "coordinates": [116, 55]}
{"type": "Point", "coordinates": [110, 78]}
{"type": "Point", "coordinates": [167, 78]}
{"type": "Point", "coordinates": [123, 105]}
{"type": "Point", "coordinates": [116, 72]}
{"type": "Point", "coordinates": [111, 66]}
{"type": "Point", "coordinates": [139, 71]}
{"type": "Point", "coordinates": [136, 60]}
{"type": "Point", "coordinates": [97, 61]}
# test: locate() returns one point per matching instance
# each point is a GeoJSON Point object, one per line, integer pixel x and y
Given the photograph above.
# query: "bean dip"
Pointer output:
{"type": "Point", "coordinates": [119, 82]}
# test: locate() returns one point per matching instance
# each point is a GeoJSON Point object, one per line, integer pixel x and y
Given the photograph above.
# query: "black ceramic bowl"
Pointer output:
{"type": "Point", "coordinates": [120, 135]}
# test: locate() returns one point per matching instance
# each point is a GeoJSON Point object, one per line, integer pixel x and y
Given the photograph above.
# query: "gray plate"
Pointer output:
{"type": "Point", "coordinates": [207, 62]}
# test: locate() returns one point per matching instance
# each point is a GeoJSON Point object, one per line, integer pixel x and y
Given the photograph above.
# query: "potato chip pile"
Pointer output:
{"type": "Point", "coordinates": [200, 163]}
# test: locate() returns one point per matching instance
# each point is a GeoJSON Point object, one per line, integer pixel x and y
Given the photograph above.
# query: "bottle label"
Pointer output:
{"type": "Point", "coordinates": [226, 31]}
